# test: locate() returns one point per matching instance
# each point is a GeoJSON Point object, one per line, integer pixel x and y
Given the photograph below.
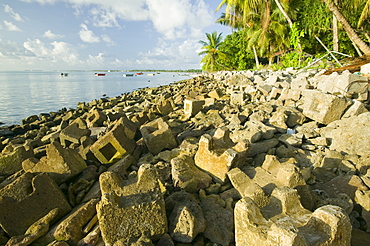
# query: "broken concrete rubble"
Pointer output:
{"type": "Point", "coordinates": [131, 208]}
{"type": "Point", "coordinates": [218, 154]}
{"type": "Point", "coordinates": [229, 158]}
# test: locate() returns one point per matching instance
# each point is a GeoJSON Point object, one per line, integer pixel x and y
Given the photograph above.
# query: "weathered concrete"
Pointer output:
{"type": "Point", "coordinates": [218, 154]}
{"type": "Point", "coordinates": [355, 130]}
{"type": "Point", "coordinates": [12, 162]}
{"type": "Point", "coordinates": [219, 219]}
{"type": "Point", "coordinates": [37, 192]}
{"type": "Point", "coordinates": [72, 134]}
{"type": "Point", "coordinates": [323, 108]}
{"type": "Point", "coordinates": [187, 176]}
{"type": "Point", "coordinates": [130, 208]}
{"type": "Point", "coordinates": [186, 218]}
{"type": "Point", "coordinates": [113, 145]}
{"type": "Point", "coordinates": [247, 188]}
{"type": "Point", "coordinates": [60, 163]}
{"type": "Point", "coordinates": [285, 222]}
{"type": "Point", "coordinates": [158, 136]}
{"type": "Point", "coordinates": [192, 107]}
{"type": "Point", "coordinates": [95, 118]}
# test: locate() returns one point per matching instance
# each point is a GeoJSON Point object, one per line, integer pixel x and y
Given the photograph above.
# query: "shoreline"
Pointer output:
{"type": "Point", "coordinates": [172, 159]}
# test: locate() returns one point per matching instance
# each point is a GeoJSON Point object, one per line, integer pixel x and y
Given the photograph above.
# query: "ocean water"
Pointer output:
{"type": "Point", "coordinates": [33, 92]}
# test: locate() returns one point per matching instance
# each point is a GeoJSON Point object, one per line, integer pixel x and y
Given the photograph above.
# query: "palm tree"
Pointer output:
{"type": "Point", "coordinates": [235, 7]}
{"type": "Point", "coordinates": [347, 27]}
{"type": "Point", "coordinates": [212, 52]}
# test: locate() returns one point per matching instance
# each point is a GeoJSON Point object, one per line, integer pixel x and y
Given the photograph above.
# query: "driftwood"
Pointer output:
{"type": "Point", "coordinates": [354, 65]}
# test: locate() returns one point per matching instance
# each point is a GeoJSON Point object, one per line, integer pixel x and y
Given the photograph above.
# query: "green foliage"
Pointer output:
{"type": "Point", "coordinates": [261, 24]}
{"type": "Point", "coordinates": [212, 53]}
{"type": "Point", "coordinates": [235, 45]}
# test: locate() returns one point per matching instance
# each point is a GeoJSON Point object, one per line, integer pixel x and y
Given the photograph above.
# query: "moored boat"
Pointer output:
{"type": "Point", "coordinates": [128, 75]}
{"type": "Point", "coordinates": [151, 74]}
{"type": "Point", "coordinates": [99, 74]}
{"type": "Point", "coordinates": [139, 73]}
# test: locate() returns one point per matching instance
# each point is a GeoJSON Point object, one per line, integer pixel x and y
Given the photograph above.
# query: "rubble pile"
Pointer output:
{"type": "Point", "coordinates": [228, 158]}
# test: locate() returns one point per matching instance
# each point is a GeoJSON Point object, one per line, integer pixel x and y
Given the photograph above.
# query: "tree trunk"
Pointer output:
{"type": "Point", "coordinates": [335, 34]}
{"type": "Point", "coordinates": [284, 13]}
{"type": "Point", "coordinates": [256, 57]}
{"type": "Point", "coordinates": [347, 27]}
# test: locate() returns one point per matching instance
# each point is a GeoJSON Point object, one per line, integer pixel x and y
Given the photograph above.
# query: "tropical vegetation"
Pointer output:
{"type": "Point", "coordinates": [286, 33]}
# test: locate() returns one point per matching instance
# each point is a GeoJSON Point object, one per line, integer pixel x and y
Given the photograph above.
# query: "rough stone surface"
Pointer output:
{"type": "Point", "coordinates": [60, 163]}
{"type": "Point", "coordinates": [187, 176]}
{"type": "Point", "coordinates": [130, 208]}
{"type": "Point", "coordinates": [72, 135]}
{"type": "Point", "coordinates": [42, 195]}
{"type": "Point", "coordinates": [12, 162]}
{"type": "Point", "coordinates": [218, 154]}
{"type": "Point", "coordinates": [219, 219]}
{"type": "Point", "coordinates": [323, 108]}
{"type": "Point", "coordinates": [186, 218]}
{"type": "Point", "coordinates": [285, 222]}
{"type": "Point", "coordinates": [355, 131]}
{"type": "Point", "coordinates": [158, 136]}
{"type": "Point", "coordinates": [113, 145]}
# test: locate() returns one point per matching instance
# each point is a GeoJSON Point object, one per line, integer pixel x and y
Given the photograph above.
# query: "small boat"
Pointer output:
{"type": "Point", "coordinates": [151, 74]}
{"type": "Point", "coordinates": [128, 75]}
{"type": "Point", "coordinates": [139, 73]}
{"type": "Point", "coordinates": [99, 74]}
{"type": "Point", "coordinates": [64, 74]}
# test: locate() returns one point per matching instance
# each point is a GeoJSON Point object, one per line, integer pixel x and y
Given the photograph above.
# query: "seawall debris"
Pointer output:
{"type": "Point", "coordinates": [227, 158]}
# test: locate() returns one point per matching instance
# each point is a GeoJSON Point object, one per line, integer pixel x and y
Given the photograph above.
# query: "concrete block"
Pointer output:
{"type": "Point", "coordinates": [140, 118]}
{"type": "Point", "coordinates": [71, 228]}
{"type": "Point", "coordinates": [218, 154]}
{"type": "Point", "coordinates": [355, 109]}
{"type": "Point", "coordinates": [299, 83]}
{"type": "Point", "coordinates": [28, 199]}
{"type": "Point", "coordinates": [164, 107]}
{"type": "Point", "coordinates": [187, 176]}
{"type": "Point", "coordinates": [95, 118]}
{"type": "Point", "coordinates": [346, 84]}
{"type": "Point", "coordinates": [247, 187]}
{"type": "Point", "coordinates": [158, 136]}
{"type": "Point", "coordinates": [131, 208]}
{"type": "Point", "coordinates": [12, 162]}
{"type": "Point", "coordinates": [72, 135]}
{"type": "Point", "coordinates": [216, 94]}
{"type": "Point", "coordinates": [113, 145]}
{"type": "Point", "coordinates": [285, 222]}
{"type": "Point", "coordinates": [130, 127]}
{"type": "Point", "coordinates": [219, 218]}
{"type": "Point", "coordinates": [186, 219]}
{"type": "Point", "coordinates": [365, 69]}
{"type": "Point", "coordinates": [237, 97]}
{"type": "Point", "coordinates": [60, 163]}
{"type": "Point", "coordinates": [192, 106]}
{"type": "Point", "coordinates": [323, 108]}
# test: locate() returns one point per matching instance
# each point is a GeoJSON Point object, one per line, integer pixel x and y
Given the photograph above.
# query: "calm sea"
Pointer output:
{"type": "Point", "coordinates": [33, 92]}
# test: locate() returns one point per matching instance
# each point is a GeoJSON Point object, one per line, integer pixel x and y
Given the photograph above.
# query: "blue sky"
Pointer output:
{"type": "Point", "coordinates": [104, 34]}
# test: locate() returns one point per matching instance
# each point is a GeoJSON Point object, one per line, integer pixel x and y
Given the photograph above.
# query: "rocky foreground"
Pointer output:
{"type": "Point", "coordinates": [231, 158]}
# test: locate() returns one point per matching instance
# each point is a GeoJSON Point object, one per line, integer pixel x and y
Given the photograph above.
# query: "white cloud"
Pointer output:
{"type": "Point", "coordinates": [104, 18]}
{"type": "Point", "coordinates": [96, 61]}
{"type": "Point", "coordinates": [172, 55]}
{"type": "Point", "coordinates": [11, 27]}
{"type": "Point", "coordinates": [9, 10]}
{"type": "Point", "coordinates": [87, 35]}
{"type": "Point", "coordinates": [171, 18]}
{"type": "Point", "coordinates": [49, 34]}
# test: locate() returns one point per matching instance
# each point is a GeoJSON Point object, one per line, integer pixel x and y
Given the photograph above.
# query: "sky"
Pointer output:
{"type": "Point", "coordinates": [105, 34]}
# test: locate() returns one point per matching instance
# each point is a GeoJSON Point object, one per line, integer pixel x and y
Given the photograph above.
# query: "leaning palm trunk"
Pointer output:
{"type": "Point", "coordinates": [347, 27]}
{"type": "Point", "coordinates": [290, 22]}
